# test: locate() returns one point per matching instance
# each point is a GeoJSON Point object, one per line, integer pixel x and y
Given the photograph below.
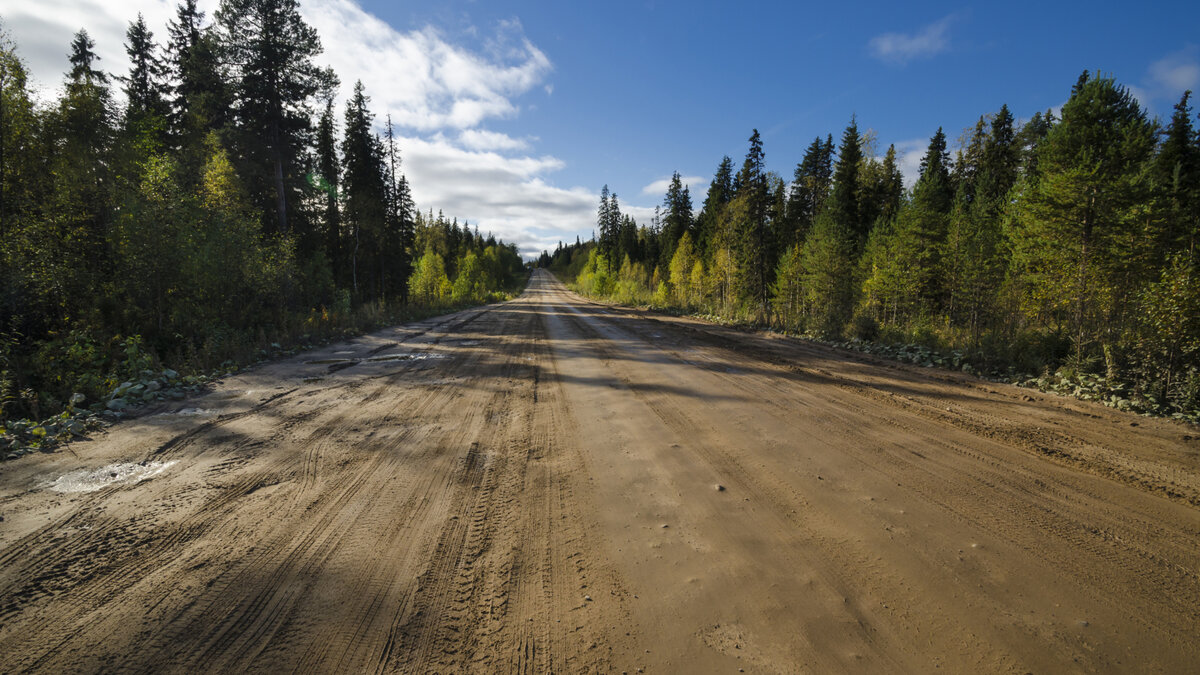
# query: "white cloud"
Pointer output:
{"type": "Point", "coordinates": [43, 31]}
{"type": "Point", "coordinates": [482, 139]}
{"type": "Point", "coordinates": [1176, 72]}
{"type": "Point", "coordinates": [908, 158]}
{"type": "Point", "coordinates": [507, 196]}
{"type": "Point", "coordinates": [644, 215]}
{"type": "Point", "coordinates": [694, 184]}
{"type": "Point", "coordinates": [900, 48]}
{"type": "Point", "coordinates": [1167, 78]}
{"type": "Point", "coordinates": [424, 81]}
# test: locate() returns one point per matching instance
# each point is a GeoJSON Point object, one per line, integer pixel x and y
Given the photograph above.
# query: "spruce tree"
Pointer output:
{"type": "Point", "coordinates": [1078, 245]}
{"type": "Point", "coordinates": [720, 192]}
{"type": "Point", "coordinates": [1028, 140]}
{"type": "Point", "coordinates": [1000, 164]}
{"type": "Point", "coordinates": [399, 217]}
{"type": "Point", "coordinates": [327, 179]}
{"type": "Point", "coordinates": [810, 188]}
{"type": "Point", "coordinates": [271, 50]}
{"type": "Point", "coordinates": [892, 189]}
{"type": "Point", "coordinates": [923, 224]}
{"type": "Point", "coordinates": [678, 219]}
{"type": "Point", "coordinates": [753, 239]}
{"type": "Point", "coordinates": [1177, 185]}
{"type": "Point", "coordinates": [363, 192]}
{"type": "Point", "coordinates": [607, 240]}
{"type": "Point", "coordinates": [845, 190]}
{"type": "Point", "coordinates": [828, 280]}
{"type": "Point", "coordinates": [144, 88]}
{"type": "Point", "coordinates": [200, 96]}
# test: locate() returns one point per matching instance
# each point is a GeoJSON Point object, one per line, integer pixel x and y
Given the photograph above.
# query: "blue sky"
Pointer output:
{"type": "Point", "coordinates": [513, 114]}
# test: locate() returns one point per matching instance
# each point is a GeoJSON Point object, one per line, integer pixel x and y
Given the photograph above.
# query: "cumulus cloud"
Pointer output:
{"type": "Point", "coordinates": [422, 79]}
{"type": "Point", "coordinates": [482, 139]}
{"type": "Point", "coordinates": [43, 32]}
{"type": "Point", "coordinates": [695, 184]}
{"type": "Point", "coordinates": [507, 196]}
{"type": "Point", "coordinates": [900, 48]}
{"type": "Point", "coordinates": [1167, 78]}
{"type": "Point", "coordinates": [438, 93]}
{"type": "Point", "coordinates": [1177, 72]}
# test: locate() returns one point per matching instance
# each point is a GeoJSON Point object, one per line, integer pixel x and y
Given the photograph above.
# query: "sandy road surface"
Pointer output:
{"type": "Point", "coordinates": [532, 487]}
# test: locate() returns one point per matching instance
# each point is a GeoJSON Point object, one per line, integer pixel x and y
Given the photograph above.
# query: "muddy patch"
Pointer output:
{"type": "Point", "coordinates": [188, 412]}
{"type": "Point", "coordinates": [90, 480]}
{"type": "Point", "coordinates": [406, 357]}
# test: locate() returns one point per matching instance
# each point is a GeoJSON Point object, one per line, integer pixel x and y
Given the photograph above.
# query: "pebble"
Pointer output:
{"type": "Point", "coordinates": [719, 488]}
{"type": "Point", "coordinates": [587, 598]}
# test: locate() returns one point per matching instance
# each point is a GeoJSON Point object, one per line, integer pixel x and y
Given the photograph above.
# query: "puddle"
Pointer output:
{"type": "Point", "coordinates": [90, 480]}
{"type": "Point", "coordinates": [407, 357]}
{"type": "Point", "coordinates": [188, 412]}
{"type": "Point", "coordinates": [375, 359]}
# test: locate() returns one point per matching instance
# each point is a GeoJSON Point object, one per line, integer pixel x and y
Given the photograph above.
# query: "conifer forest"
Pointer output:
{"type": "Point", "coordinates": [205, 209]}
{"type": "Point", "coordinates": [1059, 251]}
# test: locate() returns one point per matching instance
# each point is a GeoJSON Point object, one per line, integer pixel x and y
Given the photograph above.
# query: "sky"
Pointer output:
{"type": "Point", "coordinates": [513, 115]}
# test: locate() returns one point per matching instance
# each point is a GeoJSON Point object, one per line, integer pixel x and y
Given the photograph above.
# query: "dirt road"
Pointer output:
{"type": "Point", "coordinates": [552, 485]}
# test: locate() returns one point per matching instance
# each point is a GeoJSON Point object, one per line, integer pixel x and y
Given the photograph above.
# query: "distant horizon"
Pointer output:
{"type": "Point", "coordinates": [513, 117]}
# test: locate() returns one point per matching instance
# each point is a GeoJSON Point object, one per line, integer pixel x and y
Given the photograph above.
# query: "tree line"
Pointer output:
{"type": "Point", "coordinates": [207, 203]}
{"type": "Point", "coordinates": [1064, 244]}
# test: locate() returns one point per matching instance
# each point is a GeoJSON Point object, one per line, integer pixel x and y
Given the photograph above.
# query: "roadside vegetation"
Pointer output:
{"type": "Point", "coordinates": [208, 209]}
{"type": "Point", "coordinates": [1059, 253]}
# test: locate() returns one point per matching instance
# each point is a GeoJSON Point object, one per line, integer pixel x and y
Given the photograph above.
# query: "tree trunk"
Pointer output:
{"type": "Point", "coordinates": [280, 192]}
